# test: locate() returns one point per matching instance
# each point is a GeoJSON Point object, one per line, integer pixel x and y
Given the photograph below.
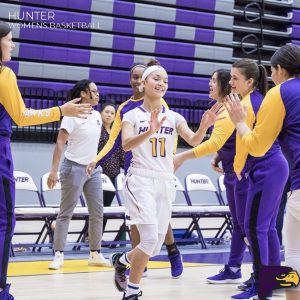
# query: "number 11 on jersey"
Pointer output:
{"type": "Point", "coordinates": [162, 145]}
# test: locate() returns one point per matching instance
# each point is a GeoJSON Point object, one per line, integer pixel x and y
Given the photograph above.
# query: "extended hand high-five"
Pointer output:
{"type": "Point", "coordinates": [211, 116]}
{"type": "Point", "coordinates": [154, 123]}
{"type": "Point", "coordinates": [236, 110]}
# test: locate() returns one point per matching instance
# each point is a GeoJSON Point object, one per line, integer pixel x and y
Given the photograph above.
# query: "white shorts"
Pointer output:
{"type": "Point", "coordinates": [148, 198]}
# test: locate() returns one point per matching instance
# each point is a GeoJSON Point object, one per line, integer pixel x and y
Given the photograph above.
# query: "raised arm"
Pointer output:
{"type": "Point", "coordinates": [112, 145]}
{"type": "Point", "coordinates": [268, 125]}
{"type": "Point", "coordinates": [131, 141]}
{"type": "Point", "coordinates": [223, 129]}
{"type": "Point", "coordinates": [208, 119]}
{"type": "Point", "coordinates": [13, 103]}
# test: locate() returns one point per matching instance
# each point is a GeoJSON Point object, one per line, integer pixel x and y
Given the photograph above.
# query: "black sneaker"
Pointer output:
{"type": "Point", "coordinates": [120, 269]}
{"type": "Point", "coordinates": [246, 284]}
{"type": "Point", "coordinates": [132, 297]}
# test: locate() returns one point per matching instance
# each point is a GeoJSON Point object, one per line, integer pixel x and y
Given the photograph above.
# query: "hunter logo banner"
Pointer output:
{"type": "Point", "coordinates": [276, 277]}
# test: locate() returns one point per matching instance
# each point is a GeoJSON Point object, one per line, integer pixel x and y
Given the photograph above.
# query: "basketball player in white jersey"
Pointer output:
{"type": "Point", "coordinates": [150, 131]}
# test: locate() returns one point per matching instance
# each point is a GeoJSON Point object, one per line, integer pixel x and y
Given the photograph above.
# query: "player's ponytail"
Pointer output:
{"type": "Point", "coordinates": [287, 57]}
{"type": "Point", "coordinates": [153, 62]}
{"type": "Point", "coordinates": [250, 69]}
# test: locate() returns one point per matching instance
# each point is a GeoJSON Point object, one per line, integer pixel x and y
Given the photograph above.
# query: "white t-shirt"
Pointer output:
{"type": "Point", "coordinates": [156, 153]}
{"type": "Point", "coordinates": [84, 135]}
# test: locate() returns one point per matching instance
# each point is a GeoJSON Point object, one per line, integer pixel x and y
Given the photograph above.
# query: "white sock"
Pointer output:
{"type": "Point", "coordinates": [124, 259]}
{"type": "Point", "coordinates": [234, 269]}
{"type": "Point", "coordinates": [132, 289]}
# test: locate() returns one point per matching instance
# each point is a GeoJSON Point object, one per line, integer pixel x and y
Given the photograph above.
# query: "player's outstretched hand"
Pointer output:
{"type": "Point", "coordinates": [154, 123]}
{"type": "Point", "coordinates": [211, 116]}
{"type": "Point", "coordinates": [74, 109]}
{"type": "Point", "coordinates": [236, 110]}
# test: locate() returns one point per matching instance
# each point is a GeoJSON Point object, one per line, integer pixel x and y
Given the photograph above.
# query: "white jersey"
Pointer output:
{"type": "Point", "coordinates": [84, 135]}
{"type": "Point", "coordinates": [156, 153]}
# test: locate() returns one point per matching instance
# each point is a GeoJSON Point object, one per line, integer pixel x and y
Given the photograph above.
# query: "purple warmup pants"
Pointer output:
{"type": "Point", "coordinates": [7, 205]}
{"type": "Point", "coordinates": [266, 183]}
{"type": "Point", "coordinates": [236, 192]}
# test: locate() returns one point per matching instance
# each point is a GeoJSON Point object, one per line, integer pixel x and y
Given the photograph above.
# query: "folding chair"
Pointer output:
{"type": "Point", "coordinates": [115, 211]}
{"type": "Point", "coordinates": [182, 210]}
{"type": "Point", "coordinates": [119, 188]}
{"type": "Point", "coordinates": [29, 207]}
{"type": "Point", "coordinates": [203, 196]}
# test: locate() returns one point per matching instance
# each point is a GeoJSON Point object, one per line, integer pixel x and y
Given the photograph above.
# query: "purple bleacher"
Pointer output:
{"type": "Point", "coordinates": [178, 49]}
{"type": "Point", "coordinates": [81, 56]}
{"type": "Point", "coordinates": [208, 5]}
{"type": "Point", "coordinates": [195, 18]}
{"type": "Point", "coordinates": [182, 16]}
{"type": "Point", "coordinates": [39, 103]}
{"type": "Point", "coordinates": [204, 35]}
{"type": "Point", "coordinates": [58, 86]}
{"type": "Point", "coordinates": [119, 25]}
{"type": "Point", "coordinates": [165, 30]}
{"type": "Point", "coordinates": [56, 54]}
{"type": "Point", "coordinates": [27, 102]}
{"type": "Point", "coordinates": [14, 65]}
{"type": "Point", "coordinates": [82, 5]}
{"type": "Point", "coordinates": [123, 25]}
{"type": "Point", "coordinates": [60, 16]}
{"type": "Point", "coordinates": [122, 60]}
{"type": "Point", "coordinates": [123, 43]}
{"type": "Point", "coordinates": [177, 65]}
{"type": "Point", "coordinates": [296, 16]}
{"type": "Point", "coordinates": [186, 113]}
{"type": "Point", "coordinates": [295, 31]}
{"type": "Point", "coordinates": [123, 8]}
{"type": "Point", "coordinates": [118, 7]}
{"type": "Point", "coordinates": [117, 77]}
{"type": "Point", "coordinates": [295, 42]}
{"type": "Point", "coordinates": [83, 38]}
{"type": "Point", "coordinates": [69, 37]}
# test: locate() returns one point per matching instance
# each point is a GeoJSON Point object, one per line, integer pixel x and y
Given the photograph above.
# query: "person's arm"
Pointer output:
{"type": "Point", "coordinates": [111, 146]}
{"type": "Point", "coordinates": [222, 130]}
{"type": "Point", "coordinates": [215, 163]}
{"type": "Point", "coordinates": [59, 147]}
{"type": "Point", "coordinates": [130, 140]}
{"type": "Point", "coordinates": [13, 103]}
{"type": "Point", "coordinates": [208, 119]}
{"type": "Point", "coordinates": [268, 125]}
{"type": "Point", "coordinates": [114, 133]}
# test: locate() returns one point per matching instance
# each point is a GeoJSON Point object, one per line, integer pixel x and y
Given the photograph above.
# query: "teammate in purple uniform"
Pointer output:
{"type": "Point", "coordinates": [278, 117]}
{"type": "Point", "coordinates": [12, 108]}
{"type": "Point", "coordinates": [236, 190]}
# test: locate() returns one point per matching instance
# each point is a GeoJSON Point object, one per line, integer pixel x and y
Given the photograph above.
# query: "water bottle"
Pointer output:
{"type": "Point", "coordinates": [227, 237]}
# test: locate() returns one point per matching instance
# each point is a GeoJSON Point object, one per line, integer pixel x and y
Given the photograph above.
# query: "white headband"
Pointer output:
{"type": "Point", "coordinates": [151, 69]}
